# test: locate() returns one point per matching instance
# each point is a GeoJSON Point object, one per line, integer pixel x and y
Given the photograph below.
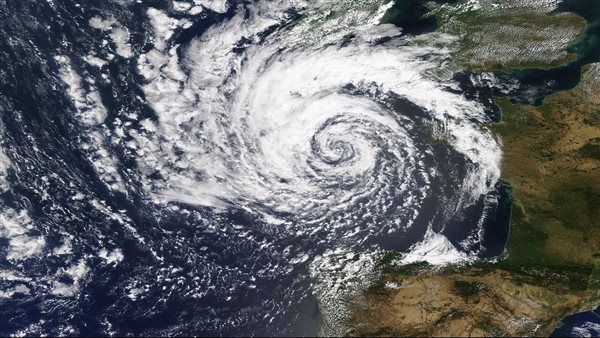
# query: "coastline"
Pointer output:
{"type": "Point", "coordinates": [550, 266]}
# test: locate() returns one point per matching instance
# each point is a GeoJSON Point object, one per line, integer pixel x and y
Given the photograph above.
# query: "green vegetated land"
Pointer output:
{"type": "Point", "coordinates": [552, 160]}
{"type": "Point", "coordinates": [511, 38]}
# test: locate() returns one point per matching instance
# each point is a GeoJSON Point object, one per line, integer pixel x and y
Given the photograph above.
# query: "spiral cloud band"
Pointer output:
{"type": "Point", "coordinates": [301, 132]}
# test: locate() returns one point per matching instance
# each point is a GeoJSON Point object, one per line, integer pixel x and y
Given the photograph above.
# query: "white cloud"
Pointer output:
{"type": "Point", "coordinates": [5, 165]}
{"type": "Point", "coordinates": [245, 123]}
{"type": "Point", "coordinates": [219, 6]}
{"type": "Point", "coordinates": [91, 113]}
{"type": "Point", "coordinates": [118, 33]}
{"type": "Point", "coordinates": [18, 228]}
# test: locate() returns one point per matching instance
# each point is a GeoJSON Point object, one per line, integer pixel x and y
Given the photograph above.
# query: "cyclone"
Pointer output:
{"type": "Point", "coordinates": [308, 134]}
{"type": "Point", "coordinates": [228, 167]}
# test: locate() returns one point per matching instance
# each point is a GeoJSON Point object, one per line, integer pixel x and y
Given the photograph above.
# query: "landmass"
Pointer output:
{"type": "Point", "coordinates": [551, 265]}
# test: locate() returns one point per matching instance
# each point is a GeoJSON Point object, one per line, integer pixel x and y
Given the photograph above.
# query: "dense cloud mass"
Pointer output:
{"type": "Point", "coordinates": [222, 167]}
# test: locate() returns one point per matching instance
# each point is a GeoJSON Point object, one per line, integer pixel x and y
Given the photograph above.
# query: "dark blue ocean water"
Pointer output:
{"type": "Point", "coordinates": [585, 324]}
